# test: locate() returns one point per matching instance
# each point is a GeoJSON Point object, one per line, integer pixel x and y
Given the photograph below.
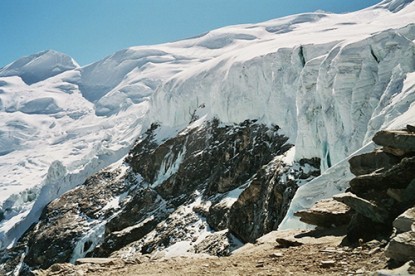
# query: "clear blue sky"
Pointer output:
{"type": "Point", "coordinates": [89, 30]}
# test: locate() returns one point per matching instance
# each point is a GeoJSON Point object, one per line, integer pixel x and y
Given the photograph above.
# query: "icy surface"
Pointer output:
{"type": "Point", "coordinates": [39, 66]}
{"type": "Point", "coordinates": [330, 81]}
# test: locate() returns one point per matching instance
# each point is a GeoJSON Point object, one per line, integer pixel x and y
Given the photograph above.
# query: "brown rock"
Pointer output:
{"type": "Point", "coordinates": [364, 207]}
{"type": "Point", "coordinates": [402, 247]}
{"type": "Point", "coordinates": [394, 151]}
{"type": "Point", "coordinates": [397, 177]}
{"type": "Point", "coordinates": [405, 196]}
{"type": "Point", "coordinates": [397, 139]}
{"type": "Point", "coordinates": [326, 213]}
{"type": "Point", "coordinates": [372, 161]}
{"type": "Point", "coordinates": [285, 243]}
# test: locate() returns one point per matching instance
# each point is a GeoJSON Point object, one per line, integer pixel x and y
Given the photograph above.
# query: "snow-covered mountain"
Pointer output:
{"type": "Point", "coordinates": [329, 81]}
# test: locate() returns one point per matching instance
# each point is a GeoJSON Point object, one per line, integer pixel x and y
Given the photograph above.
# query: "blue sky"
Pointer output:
{"type": "Point", "coordinates": [89, 30]}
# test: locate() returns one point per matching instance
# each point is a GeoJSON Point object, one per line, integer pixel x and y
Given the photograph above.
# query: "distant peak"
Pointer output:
{"type": "Point", "coordinates": [39, 66]}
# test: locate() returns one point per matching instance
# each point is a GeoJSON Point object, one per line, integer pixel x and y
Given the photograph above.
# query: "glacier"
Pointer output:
{"type": "Point", "coordinates": [329, 81]}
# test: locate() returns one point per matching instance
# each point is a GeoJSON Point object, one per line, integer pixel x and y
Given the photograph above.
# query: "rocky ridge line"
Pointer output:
{"type": "Point", "coordinates": [380, 203]}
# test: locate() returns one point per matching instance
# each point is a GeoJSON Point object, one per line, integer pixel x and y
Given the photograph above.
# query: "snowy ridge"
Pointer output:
{"type": "Point", "coordinates": [328, 80]}
{"type": "Point", "coordinates": [40, 66]}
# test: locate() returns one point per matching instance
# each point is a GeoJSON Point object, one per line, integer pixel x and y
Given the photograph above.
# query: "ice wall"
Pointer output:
{"type": "Point", "coordinates": [326, 97]}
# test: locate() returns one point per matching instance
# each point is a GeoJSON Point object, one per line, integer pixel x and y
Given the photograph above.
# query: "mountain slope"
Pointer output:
{"type": "Point", "coordinates": [329, 81]}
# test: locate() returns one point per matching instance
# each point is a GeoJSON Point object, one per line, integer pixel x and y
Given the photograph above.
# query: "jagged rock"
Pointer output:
{"type": "Point", "coordinates": [410, 128]}
{"type": "Point", "coordinates": [406, 269]}
{"type": "Point", "coordinates": [404, 222]}
{"type": "Point", "coordinates": [395, 151]}
{"type": "Point", "coordinates": [287, 242]}
{"type": "Point", "coordinates": [258, 209]}
{"type": "Point", "coordinates": [218, 215]}
{"type": "Point", "coordinates": [372, 161]}
{"type": "Point", "coordinates": [326, 213]}
{"type": "Point", "coordinates": [396, 139]}
{"type": "Point", "coordinates": [136, 210]}
{"type": "Point", "coordinates": [225, 158]}
{"type": "Point", "coordinates": [216, 244]}
{"type": "Point", "coordinates": [163, 199]}
{"type": "Point", "coordinates": [63, 221]}
{"type": "Point", "coordinates": [364, 207]}
{"type": "Point", "coordinates": [362, 228]}
{"type": "Point", "coordinates": [397, 177]}
{"type": "Point", "coordinates": [405, 196]}
{"type": "Point", "coordinates": [402, 247]}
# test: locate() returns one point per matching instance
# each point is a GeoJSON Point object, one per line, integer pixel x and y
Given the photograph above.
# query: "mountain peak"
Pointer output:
{"type": "Point", "coordinates": [39, 66]}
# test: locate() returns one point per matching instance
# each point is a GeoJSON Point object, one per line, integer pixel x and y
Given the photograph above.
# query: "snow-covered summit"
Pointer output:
{"type": "Point", "coordinates": [39, 66]}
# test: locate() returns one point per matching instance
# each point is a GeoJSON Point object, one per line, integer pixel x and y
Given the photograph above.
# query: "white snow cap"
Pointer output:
{"type": "Point", "coordinates": [39, 66]}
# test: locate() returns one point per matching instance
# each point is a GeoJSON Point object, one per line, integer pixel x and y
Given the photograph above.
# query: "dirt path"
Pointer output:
{"type": "Point", "coordinates": [322, 256]}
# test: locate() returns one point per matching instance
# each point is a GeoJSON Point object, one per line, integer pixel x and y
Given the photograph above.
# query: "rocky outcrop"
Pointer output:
{"type": "Point", "coordinates": [400, 142]}
{"type": "Point", "coordinates": [397, 177]}
{"type": "Point", "coordinates": [260, 207]}
{"type": "Point", "coordinates": [364, 207]}
{"type": "Point", "coordinates": [373, 161]}
{"type": "Point", "coordinates": [326, 213]}
{"type": "Point", "coordinates": [173, 194]}
{"type": "Point", "coordinates": [403, 223]}
{"type": "Point", "coordinates": [381, 196]}
{"type": "Point", "coordinates": [401, 248]}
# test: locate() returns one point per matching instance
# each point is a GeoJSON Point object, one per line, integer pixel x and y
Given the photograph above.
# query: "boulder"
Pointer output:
{"type": "Point", "coordinates": [372, 161]}
{"type": "Point", "coordinates": [405, 196]}
{"type": "Point", "coordinates": [396, 139]}
{"type": "Point", "coordinates": [326, 213]}
{"type": "Point", "coordinates": [404, 222]}
{"type": "Point", "coordinates": [364, 207]}
{"type": "Point", "coordinates": [217, 244]}
{"type": "Point", "coordinates": [410, 128]}
{"type": "Point", "coordinates": [397, 177]}
{"type": "Point", "coordinates": [402, 247]}
{"type": "Point", "coordinates": [405, 269]}
{"type": "Point", "coordinates": [287, 242]}
{"type": "Point", "coordinates": [364, 183]}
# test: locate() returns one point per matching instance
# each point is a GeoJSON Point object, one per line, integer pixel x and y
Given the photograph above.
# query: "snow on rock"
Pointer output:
{"type": "Point", "coordinates": [39, 66]}
{"type": "Point", "coordinates": [329, 81]}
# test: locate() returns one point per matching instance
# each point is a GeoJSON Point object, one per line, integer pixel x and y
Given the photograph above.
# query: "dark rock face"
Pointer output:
{"type": "Point", "coordinates": [397, 177]}
{"type": "Point", "coordinates": [386, 190]}
{"type": "Point", "coordinates": [173, 193]}
{"type": "Point", "coordinates": [403, 140]}
{"type": "Point", "coordinates": [262, 206]}
{"type": "Point", "coordinates": [372, 161]}
{"type": "Point", "coordinates": [217, 244]}
{"type": "Point", "coordinates": [63, 221]}
{"type": "Point", "coordinates": [364, 207]}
